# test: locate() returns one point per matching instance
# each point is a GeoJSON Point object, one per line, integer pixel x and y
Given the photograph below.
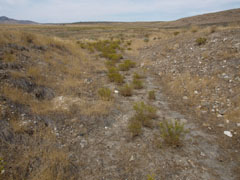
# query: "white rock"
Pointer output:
{"type": "Point", "coordinates": [185, 97]}
{"type": "Point", "coordinates": [238, 124]}
{"type": "Point", "coordinates": [132, 158]}
{"type": "Point", "coordinates": [228, 133]}
{"type": "Point", "coordinates": [116, 91]}
{"type": "Point", "coordinates": [202, 154]}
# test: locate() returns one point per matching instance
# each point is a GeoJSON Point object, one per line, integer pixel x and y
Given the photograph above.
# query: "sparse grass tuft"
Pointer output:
{"type": "Point", "coordinates": [172, 132]}
{"type": "Point", "coordinates": [151, 95]}
{"type": "Point", "coordinates": [201, 41]}
{"type": "Point", "coordinates": [126, 90]}
{"type": "Point", "coordinates": [126, 65]}
{"type": "Point", "coordinates": [105, 94]}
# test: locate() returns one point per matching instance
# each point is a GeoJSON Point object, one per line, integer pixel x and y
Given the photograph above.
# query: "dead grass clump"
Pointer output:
{"type": "Point", "coordinates": [126, 90]}
{"type": "Point", "coordinates": [9, 57]}
{"type": "Point", "coordinates": [19, 96]}
{"type": "Point", "coordinates": [16, 95]}
{"type": "Point", "coordinates": [95, 108]}
{"type": "Point", "coordinates": [105, 94]}
{"type": "Point", "coordinates": [194, 29]}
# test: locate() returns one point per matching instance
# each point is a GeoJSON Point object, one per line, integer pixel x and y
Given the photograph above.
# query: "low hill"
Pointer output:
{"type": "Point", "coordinates": [6, 20]}
{"type": "Point", "coordinates": [221, 17]}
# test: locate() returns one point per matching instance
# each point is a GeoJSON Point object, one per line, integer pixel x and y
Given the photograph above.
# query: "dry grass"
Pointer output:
{"type": "Point", "coordinates": [9, 57]}
{"type": "Point", "coordinates": [19, 96]}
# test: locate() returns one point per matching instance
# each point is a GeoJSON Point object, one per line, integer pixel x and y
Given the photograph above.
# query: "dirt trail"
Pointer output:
{"type": "Point", "coordinates": [114, 155]}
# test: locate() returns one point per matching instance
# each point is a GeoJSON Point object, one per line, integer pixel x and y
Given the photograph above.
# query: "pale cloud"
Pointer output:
{"type": "Point", "coordinates": [124, 10]}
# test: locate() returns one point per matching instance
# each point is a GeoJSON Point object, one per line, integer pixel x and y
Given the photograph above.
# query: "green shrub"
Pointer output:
{"type": "Point", "coordinates": [201, 41]}
{"type": "Point", "coordinates": [172, 132]}
{"type": "Point", "coordinates": [105, 94]}
{"type": "Point", "coordinates": [135, 127]}
{"type": "Point", "coordinates": [115, 76]}
{"type": "Point", "coordinates": [176, 33]}
{"type": "Point", "coordinates": [151, 95]}
{"type": "Point", "coordinates": [137, 83]}
{"type": "Point", "coordinates": [126, 65]}
{"type": "Point", "coordinates": [137, 76]}
{"type": "Point", "coordinates": [151, 177]}
{"type": "Point", "coordinates": [126, 90]}
{"type": "Point", "coordinates": [145, 113]}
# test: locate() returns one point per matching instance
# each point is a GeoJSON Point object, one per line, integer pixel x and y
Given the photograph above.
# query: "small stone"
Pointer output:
{"type": "Point", "coordinates": [228, 133]}
{"type": "Point", "coordinates": [185, 97]}
{"type": "Point", "coordinates": [227, 121]}
{"type": "Point", "coordinates": [132, 158]}
{"type": "Point", "coordinates": [238, 124]}
{"type": "Point", "coordinates": [195, 92]}
{"type": "Point", "coordinates": [116, 91]}
{"type": "Point", "coordinates": [202, 154]}
{"type": "Point", "coordinates": [221, 125]}
{"type": "Point", "coordinates": [219, 115]}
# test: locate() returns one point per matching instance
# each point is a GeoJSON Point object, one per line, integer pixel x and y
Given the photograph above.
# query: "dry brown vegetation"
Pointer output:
{"type": "Point", "coordinates": [58, 122]}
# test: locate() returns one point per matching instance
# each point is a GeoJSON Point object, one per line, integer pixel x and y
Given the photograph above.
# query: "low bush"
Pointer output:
{"type": "Point", "coordinates": [143, 116]}
{"type": "Point", "coordinates": [126, 90]}
{"type": "Point", "coordinates": [126, 65]}
{"type": "Point", "coordinates": [201, 41]}
{"type": "Point", "coordinates": [176, 33]}
{"type": "Point", "coordinates": [105, 94]}
{"type": "Point", "coordinates": [137, 76]}
{"type": "Point", "coordinates": [137, 83]}
{"type": "Point", "coordinates": [135, 127]}
{"type": "Point", "coordinates": [151, 95]}
{"type": "Point", "coordinates": [115, 76]}
{"type": "Point", "coordinates": [172, 132]}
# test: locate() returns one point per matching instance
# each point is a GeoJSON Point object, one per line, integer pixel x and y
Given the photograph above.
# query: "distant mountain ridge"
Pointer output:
{"type": "Point", "coordinates": [6, 20]}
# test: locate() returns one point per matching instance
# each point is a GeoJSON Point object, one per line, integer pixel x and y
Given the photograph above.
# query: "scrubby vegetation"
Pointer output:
{"type": "Point", "coordinates": [151, 95]}
{"type": "Point", "coordinates": [172, 132]}
{"type": "Point", "coordinates": [115, 76]}
{"type": "Point", "coordinates": [137, 83]}
{"type": "Point", "coordinates": [201, 41]}
{"type": "Point", "coordinates": [105, 94]}
{"type": "Point", "coordinates": [126, 65]}
{"type": "Point", "coordinates": [144, 113]}
{"type": "Point", "coordinates": [126, 90]}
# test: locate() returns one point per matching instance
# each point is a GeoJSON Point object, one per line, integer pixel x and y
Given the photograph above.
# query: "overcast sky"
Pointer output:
{"type": "Point", "coordinates": [57, 11]}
